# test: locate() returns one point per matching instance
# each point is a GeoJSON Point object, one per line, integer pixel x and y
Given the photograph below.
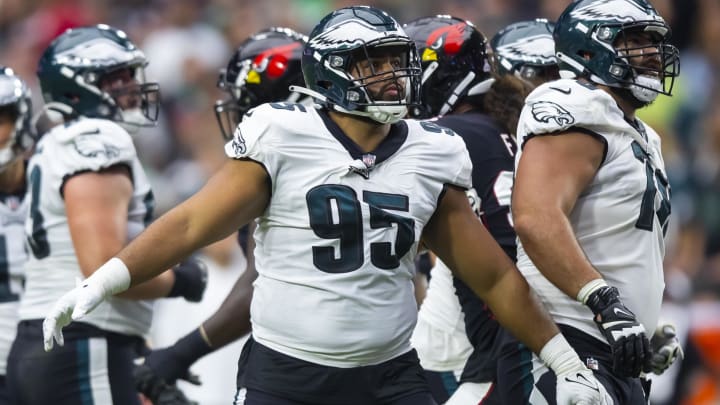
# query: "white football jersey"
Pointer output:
{"type": "Point", "coordinates": [52, 269]}
{"type": "Point", "coordinates": [12, 257]}
{"type": "Point", "coordinates": [335, 248]}
{"type": "Point", "coordinates": [620, 218]}
{"type": "Point", "coordinates": [440, 337]}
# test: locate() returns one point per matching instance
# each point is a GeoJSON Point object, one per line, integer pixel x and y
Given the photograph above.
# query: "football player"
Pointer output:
{"type": "Point", "coordinates": [344, 195]}
{"type": "Point", "coordinates": [88, 195]}
{"type": "Point", "coordinates": [17, 139]}
{"type": "Point", "coordinates": [260, 71]}
{"type": "Point", "coordinates": [591, 201]}
{"type": "Point", "coordinates": [456, 332]}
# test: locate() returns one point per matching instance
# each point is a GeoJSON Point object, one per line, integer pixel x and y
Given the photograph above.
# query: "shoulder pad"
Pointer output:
{"type": "Point", "coordinates": [562, 104]}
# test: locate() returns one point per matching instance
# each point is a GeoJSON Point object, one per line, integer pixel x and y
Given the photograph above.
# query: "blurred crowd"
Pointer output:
{"type": "Point", "coordinates": [188, 41]}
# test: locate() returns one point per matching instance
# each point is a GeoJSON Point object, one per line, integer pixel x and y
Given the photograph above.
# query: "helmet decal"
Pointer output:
{"type": "Point", "coordinates": [616, 10]}
{"type": "Point", "coordinates": [97, 53]}
{"type": "Point", "coordinates": [450, 38]}
{"type": "Point", "coordinates": [349, 33]}
{"type": "Point", "coordinates": [274, 61]}
{"type": "Point", "coordinates": [532, 49]}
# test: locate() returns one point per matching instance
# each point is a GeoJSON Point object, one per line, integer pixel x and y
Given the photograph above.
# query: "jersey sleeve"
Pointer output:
{"type": "Point", "coordinates": [562, 105]}
{"type": "Point", "coordinates": [253, 138]}
{"type": "Point", "coordinates": [446, 159]}
{"type": "Point", "coordinates": [93, 145]}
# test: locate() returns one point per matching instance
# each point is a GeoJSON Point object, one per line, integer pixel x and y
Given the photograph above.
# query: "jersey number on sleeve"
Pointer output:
{"type": "Point", "coordinates": [656, 183]}
{"type": "Point", "coordinates": [6, 295]}
{"type": "Point", "coordinates": [335, 213]}
{"type": "Point", "coordinates": [38, 239]}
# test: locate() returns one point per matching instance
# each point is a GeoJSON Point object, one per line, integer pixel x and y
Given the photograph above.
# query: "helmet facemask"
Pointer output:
{"type": "Point", "coordinates": [384, 77]}
{"type": "Point", "coordinates": [229, 112]}
{"type": "Point", "coordinates": [634, 66]}
{"type": "Point", "coordinates": [131, 101]}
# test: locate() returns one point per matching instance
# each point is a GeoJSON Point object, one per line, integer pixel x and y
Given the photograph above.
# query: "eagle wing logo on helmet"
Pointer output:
{"type": "Point", "coordinates": [531, 49]}
{"type": "Point", "coordinates": [350, 32]}
{"type": "Point", "coordinates": [622, 10]}
{"type": "Point", "coordinates": [544, 111]}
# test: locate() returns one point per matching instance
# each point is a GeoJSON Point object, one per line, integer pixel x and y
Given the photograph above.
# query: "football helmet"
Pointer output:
{"type": "Point", "coordinates": [526, 49]}
{"type": "Point", "coordinates": [346, 61]}
{"type": "Point", "coordinates": [591, 42]}
{"type": "Point", "coordinates": [15, 103]}
{"type": "Point", "coordinates": [260, 71]}
{"type": "Point", "coordinates": [454, 61]}
{"type": "Point", "coordinates": [75, 67]}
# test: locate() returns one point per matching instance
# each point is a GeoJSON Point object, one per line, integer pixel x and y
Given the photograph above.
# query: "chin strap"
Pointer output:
{"type": "Point", "coordinates": [383, 114]}
{"type": "Point", "coordinates": [312, 93]}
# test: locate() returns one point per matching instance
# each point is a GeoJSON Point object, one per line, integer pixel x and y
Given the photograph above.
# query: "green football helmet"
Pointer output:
{"type": "Point", "coordinates": [72, 69]}
{"type": "Point", "coordinates": [350, 36]}
{"type": "Point", "coordinates": [16, 105]}
{"type": "Point", "coordinates": [526, 49]}
{"type": "Point", "coordinates": [591, 42]}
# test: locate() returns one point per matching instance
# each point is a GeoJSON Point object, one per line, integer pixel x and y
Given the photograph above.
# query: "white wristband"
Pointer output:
{"type": "Point", "coordinates": [111, 278]}
{"type": "Point", "coordinates": [590, 288]}
{"type": "Point", "coordinates": [560, 357]}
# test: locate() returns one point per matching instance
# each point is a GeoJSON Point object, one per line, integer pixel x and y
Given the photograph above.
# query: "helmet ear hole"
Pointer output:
{"type": "Point", "coordinates": [325, 84]}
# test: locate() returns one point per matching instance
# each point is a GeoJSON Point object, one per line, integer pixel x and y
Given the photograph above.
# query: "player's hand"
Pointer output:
{"type": "Point", "coordinates": [156, 389]}
{"type": "Point", "coordinates": [111, 278]}
{"type": "Point", "coordinates": [190, 280]}
{"type": "Point", "coordinates": [626, 336]}
{"type": "Point", "coordinates": [665, 349]}
{"type": "Point", "coordinates": [581, 387]}
{"type": "Point", "coordinates": [71, 306]}
{"type": "Point", "coordinates": [168, 365]}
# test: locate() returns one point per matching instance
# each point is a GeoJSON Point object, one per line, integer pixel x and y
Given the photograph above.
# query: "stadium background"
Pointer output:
{"type": "Point", "coordinates": [187, 41]}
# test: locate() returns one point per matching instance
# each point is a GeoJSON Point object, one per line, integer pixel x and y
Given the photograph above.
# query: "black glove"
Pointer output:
{"type": "Point", "coordinates": [156, 389]}
{"type": "Point", "coordinates": [190, 280]}
{"type": "Point", "coordinates": [173, 362]}
{"type": "Point", "coordinates": [626, 336]}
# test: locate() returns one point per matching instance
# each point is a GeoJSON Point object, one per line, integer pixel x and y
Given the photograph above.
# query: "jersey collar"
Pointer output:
{"type": "Point", "coordinates": [392, 142]}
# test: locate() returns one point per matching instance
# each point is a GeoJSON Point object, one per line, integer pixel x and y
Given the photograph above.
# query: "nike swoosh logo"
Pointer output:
{"type": "Point", "coordinates": [563, 91]}
{"type": "Point", "coordinates": [582, 380]}
{"type": "Point", "coordinates": [619, 311]}
{"type": "Point", "coordinates": [249, 113]}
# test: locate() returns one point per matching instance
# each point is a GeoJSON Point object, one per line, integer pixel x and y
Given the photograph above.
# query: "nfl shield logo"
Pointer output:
{"type": "Point", "coordinates": [369, 160]}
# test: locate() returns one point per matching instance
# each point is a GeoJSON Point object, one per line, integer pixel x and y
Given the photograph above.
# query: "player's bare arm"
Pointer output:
{"type": "Point", "coordinates": [552, 173]}
{"type": "Point", "coordinates": [236, 194]}
{"type": "Point", "coordinates": [97, 204]}
{"type": "Point", "coordinates": [461, 241]}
